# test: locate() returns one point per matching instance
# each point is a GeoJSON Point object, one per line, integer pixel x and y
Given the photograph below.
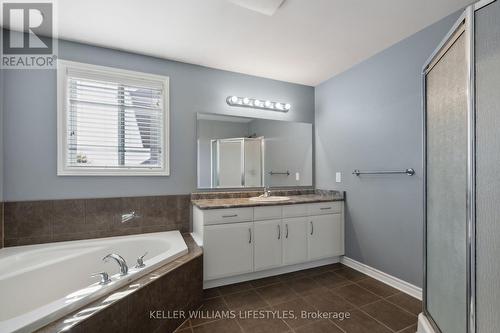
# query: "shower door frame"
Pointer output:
{"type": "Point", "coordinates": [465, 22]}
{"type": "Point", "coordinates": [242, 159]}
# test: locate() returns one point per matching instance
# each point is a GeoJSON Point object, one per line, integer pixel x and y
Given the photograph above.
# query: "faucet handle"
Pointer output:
{"type": "Point", "coordinates": [140, 261]}
{"type": "Point", "coordinates": [127, 217]}
{"type": "Point", "coordinates": [104, 277]}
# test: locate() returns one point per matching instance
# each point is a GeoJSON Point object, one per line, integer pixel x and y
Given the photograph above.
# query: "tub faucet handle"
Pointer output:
{"type": "Point", "coordinates": [140, 261]}
{"type": "Point", "coordinates": [104, 278]}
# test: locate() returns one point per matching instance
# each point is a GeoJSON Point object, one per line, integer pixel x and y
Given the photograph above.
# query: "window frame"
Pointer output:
{"type": "Point", "coordinates": [62, 139]}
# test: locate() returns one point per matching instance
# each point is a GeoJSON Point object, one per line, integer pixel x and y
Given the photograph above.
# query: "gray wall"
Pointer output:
{"type": "Point", "coordinates": [369, 117]}
{"type": "Point", "coordinates": [30, 123]}
{"type": "Point", "coordinates": [288, 146]}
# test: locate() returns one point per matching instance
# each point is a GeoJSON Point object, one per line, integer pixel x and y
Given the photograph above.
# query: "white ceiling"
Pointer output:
{"type": "Point", "coordinates": [305, 41]}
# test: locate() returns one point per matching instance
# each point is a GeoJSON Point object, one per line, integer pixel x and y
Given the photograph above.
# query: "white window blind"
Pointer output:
{"type": "Point", "coordinates": [114, 121]}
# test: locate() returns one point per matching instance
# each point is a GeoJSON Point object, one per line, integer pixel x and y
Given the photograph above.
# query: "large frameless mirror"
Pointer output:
{"type": "Point", "coordinates": [236, 152]}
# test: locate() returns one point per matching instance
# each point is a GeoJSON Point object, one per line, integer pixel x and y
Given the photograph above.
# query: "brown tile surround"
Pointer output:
{"type": "Point", "coordinates": [374, 307]}
{"type": "Point", "coordinates": [175, 286]}
{"type": "Point", "coordinates": [34, 222]}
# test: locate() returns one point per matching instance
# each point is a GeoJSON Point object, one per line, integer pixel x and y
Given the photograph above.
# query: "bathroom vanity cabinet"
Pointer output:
{"type": "Point", "coordinates": [244, 241]}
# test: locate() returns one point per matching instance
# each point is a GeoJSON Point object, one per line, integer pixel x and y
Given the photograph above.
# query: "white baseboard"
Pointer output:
{"type": "Point", "coordinates": [392, 281]}
{"type": "Point", "coordinates": [270, 272]}
{"type": "Point", "coordinates": [424, 326]}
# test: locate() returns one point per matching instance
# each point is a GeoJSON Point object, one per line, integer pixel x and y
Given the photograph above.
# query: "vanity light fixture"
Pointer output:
{"type": "Point", "coordinates": [257, 104]}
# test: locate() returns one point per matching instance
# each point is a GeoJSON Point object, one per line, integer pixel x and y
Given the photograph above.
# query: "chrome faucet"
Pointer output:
{"type": "Point", "coordinates": [119, 260]}
{"type": "Point", "coordinates": [267, 192]}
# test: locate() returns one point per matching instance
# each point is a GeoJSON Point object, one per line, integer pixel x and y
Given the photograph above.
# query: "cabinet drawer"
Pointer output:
{"type": "Point", "coordinates": [295, 210]}
{"type": "Point", "coordinates": [227, 215]}
{"type": "Point", "coordinates": [267, 213]}
{"type": "Point", "coordinates": [324, 208]}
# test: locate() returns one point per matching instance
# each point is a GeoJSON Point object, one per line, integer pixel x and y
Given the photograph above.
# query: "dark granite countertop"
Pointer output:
{"type": "Point", "coordinates": [215, 203]}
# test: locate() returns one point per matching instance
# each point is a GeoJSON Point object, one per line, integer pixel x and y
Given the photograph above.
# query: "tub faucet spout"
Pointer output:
{"type": "Point", "coordinates": [119, 260]}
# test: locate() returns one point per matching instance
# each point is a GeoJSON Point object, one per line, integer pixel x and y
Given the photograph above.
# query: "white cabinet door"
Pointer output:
{"type": "Point", "coordinates": [267, 244]}
{"type": "Point", "coordinates": [228, 250]}
{"type": "Point", "coordinates": [295, 240]}
{"type": "Point", "coordinates": [325, 236]}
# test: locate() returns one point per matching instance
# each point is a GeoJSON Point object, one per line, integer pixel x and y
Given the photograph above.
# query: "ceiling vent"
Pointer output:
{"type": "Point", "coordinates": [266, 7]}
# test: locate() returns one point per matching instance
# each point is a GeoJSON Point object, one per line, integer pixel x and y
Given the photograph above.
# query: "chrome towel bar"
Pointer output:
{"type": "Point", "coordinates": [272, 173]}
{"type": "Point", "coordinates": [409, 172]}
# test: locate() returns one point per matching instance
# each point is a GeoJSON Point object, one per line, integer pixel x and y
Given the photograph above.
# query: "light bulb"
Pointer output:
{"type": "Point", "coordinates": [257, 103]}
{"type": "Point", "coordinates": [234, 99]}
{"type": "Point", "coordinates": [287, 106]}
{"type": "Point", "coordinates": [279, 106]}
{"type": "Point", "coordinates": [268, 104]}
{"type": "Point", "coordinates": [246, 100]}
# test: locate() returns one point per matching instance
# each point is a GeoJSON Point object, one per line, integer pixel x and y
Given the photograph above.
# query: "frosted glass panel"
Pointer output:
{"type": "Point", "coordinates": [487, 165]}
{"type": "Point", "coordinates": [253, 162]}
{"type": "Point", "coordinates": [230, 163]}
{"type": "Point", "coordinates": [236, 162]}
{"type": "Point", "coordinates": [446, 189]}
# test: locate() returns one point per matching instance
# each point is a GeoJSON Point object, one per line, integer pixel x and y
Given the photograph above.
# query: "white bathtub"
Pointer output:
{"type": "Point", "coordinates": [41, 283]}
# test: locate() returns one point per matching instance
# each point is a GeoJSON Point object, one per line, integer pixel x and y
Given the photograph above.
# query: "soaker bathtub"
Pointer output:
{"type": "Point", "coordinates": [41, 283]}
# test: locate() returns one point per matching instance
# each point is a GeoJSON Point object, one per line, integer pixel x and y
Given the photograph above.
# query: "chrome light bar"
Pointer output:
{"type": "Point", "coordinates": [254, 103]}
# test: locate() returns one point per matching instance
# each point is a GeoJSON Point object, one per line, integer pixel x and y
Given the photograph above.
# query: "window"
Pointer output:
{"type": "Point", "coordinates": [111, 121]}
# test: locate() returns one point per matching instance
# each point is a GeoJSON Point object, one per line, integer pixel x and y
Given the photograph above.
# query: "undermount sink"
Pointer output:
{"type": "Point", "coordinates": [269, 199]}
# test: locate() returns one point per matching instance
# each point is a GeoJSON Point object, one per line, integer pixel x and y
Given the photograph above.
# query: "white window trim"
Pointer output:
{"type": "Point", "coordinates": [62, 101]}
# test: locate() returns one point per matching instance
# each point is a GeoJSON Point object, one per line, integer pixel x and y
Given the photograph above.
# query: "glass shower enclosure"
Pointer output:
{"type": "Point", "coordinates": [237, 162]}
{"type": "Point", "coordinates": [446, 184]}
{"type": "Point", "coordinates": [461, 122]}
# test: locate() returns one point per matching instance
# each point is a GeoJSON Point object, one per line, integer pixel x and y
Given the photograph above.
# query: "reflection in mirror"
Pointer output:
{"type": "Point", "coordinates": [236, 162]}
{"type": "Point", "coordinates": [236, 152]}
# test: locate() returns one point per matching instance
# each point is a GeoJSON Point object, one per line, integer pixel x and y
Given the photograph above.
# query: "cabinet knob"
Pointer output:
{"type": "Point", "coordinates": [250, 236]}
{"type": "Point", "coordinates": [286, 230]}
{"type": "Point", "coordinates": [312, 227]}
{"type": "Point", "coordinates": [279, 231]}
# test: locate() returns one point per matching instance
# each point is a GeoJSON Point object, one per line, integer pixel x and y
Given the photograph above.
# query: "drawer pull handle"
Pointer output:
{"type": "Point", "coordinates": [325, 208]}
{"type": "Point", "coordinates": [226, 216]}
{"type": "Point", "coordinates": [250, 236]}
{"type": "Point", "coordinates": [312, 227]}
{"type": "Point", "coordinates": [279, 231]}
{"type": "Point", "coordinates": [286, 230]}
